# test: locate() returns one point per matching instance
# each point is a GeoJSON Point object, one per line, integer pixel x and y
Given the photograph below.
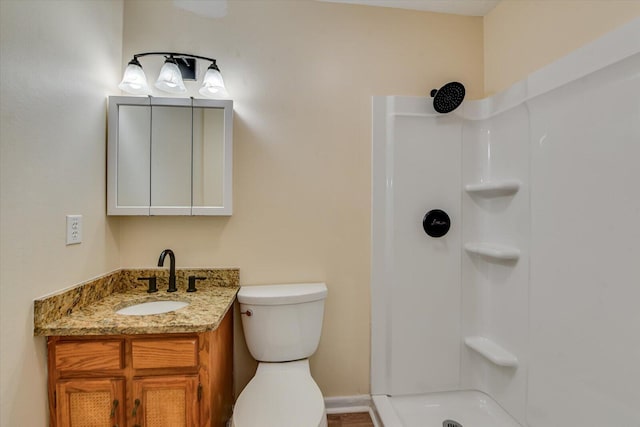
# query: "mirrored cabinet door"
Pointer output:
{"type": "Point", "coordinates": [171, 135]}
{"type": "Point", "coordinates": [212, 164]}
{"type": "Point", "coordinates": [134, 166]}
{"type": "Point", "coordinates": [169, 156]}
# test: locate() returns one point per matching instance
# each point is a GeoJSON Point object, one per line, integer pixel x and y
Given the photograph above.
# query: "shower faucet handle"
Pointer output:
{"type": "Point", "coordinates": [436, 223]}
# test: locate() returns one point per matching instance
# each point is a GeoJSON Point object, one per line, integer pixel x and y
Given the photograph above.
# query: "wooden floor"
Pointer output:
{"type": "Point", "coordinates": [358, 419]}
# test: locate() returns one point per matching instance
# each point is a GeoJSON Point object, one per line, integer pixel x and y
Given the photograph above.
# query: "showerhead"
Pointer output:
{"type": "Point", "coordinates": [448, 98]}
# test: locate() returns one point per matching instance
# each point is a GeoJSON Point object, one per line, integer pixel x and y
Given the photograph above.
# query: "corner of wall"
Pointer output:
{"type": "Point", "coordinates": [515, 45]}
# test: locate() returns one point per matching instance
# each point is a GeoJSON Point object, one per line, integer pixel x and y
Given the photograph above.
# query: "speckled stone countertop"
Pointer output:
{"type": "Point", "coordinates": [90, 308]}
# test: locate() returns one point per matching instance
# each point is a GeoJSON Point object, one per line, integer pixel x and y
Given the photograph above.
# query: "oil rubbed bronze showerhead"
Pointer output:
{"type": "Point", "coordinates": [448, 97]}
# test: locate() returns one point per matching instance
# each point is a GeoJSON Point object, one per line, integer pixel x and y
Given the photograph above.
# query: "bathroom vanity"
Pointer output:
{"type": "Point", "coordinates": [151, 380]}
{"type": "Point", "coordinates": [169, 369]}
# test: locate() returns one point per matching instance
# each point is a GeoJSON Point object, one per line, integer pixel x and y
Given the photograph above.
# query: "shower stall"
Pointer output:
{"type": "Point", "coordinates": [527, 312]}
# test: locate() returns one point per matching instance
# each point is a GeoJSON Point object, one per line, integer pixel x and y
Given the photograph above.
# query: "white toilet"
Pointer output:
{"type": "Point", "coordinates": [282, 325]}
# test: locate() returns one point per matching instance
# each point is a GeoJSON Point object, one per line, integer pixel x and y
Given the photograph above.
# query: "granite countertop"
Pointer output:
{"type": "Point", "coordinates": [90, 308]}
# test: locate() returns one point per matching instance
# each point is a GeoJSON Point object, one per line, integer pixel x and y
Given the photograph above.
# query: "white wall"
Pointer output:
{"type": "Point", "coordinates": [59, 60]}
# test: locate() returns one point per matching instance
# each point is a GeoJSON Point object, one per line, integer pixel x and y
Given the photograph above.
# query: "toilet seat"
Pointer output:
{"type": "Point", "coordinates": [281, 395]}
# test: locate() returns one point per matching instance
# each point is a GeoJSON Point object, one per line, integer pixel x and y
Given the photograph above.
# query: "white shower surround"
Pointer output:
{"type": "Point", "coordinates": [548, 171]}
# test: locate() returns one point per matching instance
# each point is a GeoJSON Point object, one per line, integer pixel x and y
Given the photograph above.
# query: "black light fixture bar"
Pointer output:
{"type": "Point", "coordinates": [187, 63]}
{"type": "Point", "coordinates": [175, 55]}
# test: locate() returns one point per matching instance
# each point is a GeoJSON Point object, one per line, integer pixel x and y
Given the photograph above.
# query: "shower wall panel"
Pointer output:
{"type": "Point", "coordinates": [495, 291]}
{"type": "Point", "coordinates": [416, 285]}
{"type": "Point", "coordinates": [585, 255]}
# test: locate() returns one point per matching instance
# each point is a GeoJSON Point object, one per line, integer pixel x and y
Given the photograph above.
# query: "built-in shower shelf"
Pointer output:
{"type": "Point", "coordinates": [492, 351]}
{"type": "Point", "coordinates": [493, 188]}
{"type": "Point", "coordinates": [493, 250]}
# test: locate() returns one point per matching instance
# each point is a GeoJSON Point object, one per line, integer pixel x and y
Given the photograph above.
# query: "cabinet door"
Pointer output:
{"type": "Point", "coordinates": [90, 403]}
{"type": "Point", "coordinates": [128, 156]}
{"type": "Point", "coordinates": [212, 158]}
{"type": "Point", "coordinates": [171, 401]}
{"type": "Point", "coordinates": [171, 157]}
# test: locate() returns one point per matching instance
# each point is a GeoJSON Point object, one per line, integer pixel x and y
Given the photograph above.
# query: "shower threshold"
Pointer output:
{"type": "Point", "coordinates": [466, 408]}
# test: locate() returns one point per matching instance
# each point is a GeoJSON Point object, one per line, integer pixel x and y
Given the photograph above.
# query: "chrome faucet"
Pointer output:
{"type": "Point", "coordinates": [172, 268]}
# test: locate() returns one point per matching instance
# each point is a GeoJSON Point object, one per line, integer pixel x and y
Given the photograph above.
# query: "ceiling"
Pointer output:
{"type": "Point", "coordinates": [457, 7]}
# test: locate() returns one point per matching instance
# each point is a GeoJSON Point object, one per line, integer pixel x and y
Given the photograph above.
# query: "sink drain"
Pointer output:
{"type": "Point", "coordinates": [451, 423]}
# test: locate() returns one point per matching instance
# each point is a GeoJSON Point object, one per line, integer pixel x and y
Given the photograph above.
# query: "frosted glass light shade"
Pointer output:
{"type": "Point", "coordinates": [170, 79]}
{"type": "Point", "coordinates": [212, 83]}
{"type": "Point", "coordinates": [134, 81]}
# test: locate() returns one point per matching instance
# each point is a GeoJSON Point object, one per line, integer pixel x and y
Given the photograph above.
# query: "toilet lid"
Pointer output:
{"type": "Point", "coordinates": [279, 398]}
{"type": "Point", "coordinates": [282, 294]}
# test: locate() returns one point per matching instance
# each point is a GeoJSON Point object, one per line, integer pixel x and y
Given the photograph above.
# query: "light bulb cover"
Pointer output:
{"type": "Point", "coordinates": [134, 80]}
{"type": "Point", "coordinates": [170, 78]}
{"type": "Point", "coordinates": [212, 83]}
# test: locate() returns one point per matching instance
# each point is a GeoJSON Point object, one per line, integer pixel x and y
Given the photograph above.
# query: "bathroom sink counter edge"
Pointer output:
{"type": "Point", "coordinates": [90, 308]}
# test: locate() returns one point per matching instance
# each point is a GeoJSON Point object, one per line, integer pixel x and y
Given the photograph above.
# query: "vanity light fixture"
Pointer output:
{"type": "Point", "coordinates": [212, 82]}
{"type": "Point", "coordinates": [176, 67]}
{"type": "Point", "coordinates": [134, 81]}
{"type": "Point", "coordinates": [170, 78]}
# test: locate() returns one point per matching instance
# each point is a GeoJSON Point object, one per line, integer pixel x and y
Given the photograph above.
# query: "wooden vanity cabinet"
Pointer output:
{"type": "Point", "coordinates": [167, 380]}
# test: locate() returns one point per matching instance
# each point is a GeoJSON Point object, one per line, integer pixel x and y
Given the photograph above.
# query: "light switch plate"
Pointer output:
{"type": "Point", "coordinates": [74, 229]}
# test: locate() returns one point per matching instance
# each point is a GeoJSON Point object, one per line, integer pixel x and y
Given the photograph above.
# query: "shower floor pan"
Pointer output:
{"type": "Point", "coordinates": [466, 408]}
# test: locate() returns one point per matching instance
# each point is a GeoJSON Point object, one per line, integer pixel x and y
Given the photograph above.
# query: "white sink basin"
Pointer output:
{"type": "Point", "coordinates": [152, 307]}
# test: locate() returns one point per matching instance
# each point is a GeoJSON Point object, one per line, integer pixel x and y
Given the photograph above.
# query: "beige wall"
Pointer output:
{"type": "Point", "coordinates": [521, 36]}
{"type": "Point", "coordinates": [301, 74]}
{"type": "Point", "coordinates": [59, 61]}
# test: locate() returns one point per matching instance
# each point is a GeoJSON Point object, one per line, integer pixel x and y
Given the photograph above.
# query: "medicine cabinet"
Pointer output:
{"type": "Point", "coordinates": [169, 156]}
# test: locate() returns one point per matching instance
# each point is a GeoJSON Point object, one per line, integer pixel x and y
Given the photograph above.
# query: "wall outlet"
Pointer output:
{"type": "Point", "coordinates": [74, 229]}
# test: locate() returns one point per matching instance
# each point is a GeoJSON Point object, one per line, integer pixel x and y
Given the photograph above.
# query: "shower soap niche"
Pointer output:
{"type": "Point", "coordinates": [493, 188]}
{"type": "Point", "coordinates": [492, 351]}
{"type": "Point", "coordinates": [493, 250]}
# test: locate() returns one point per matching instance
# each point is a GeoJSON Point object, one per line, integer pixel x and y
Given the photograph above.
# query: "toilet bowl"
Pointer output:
{"type": "Point", "coordinates": [282, 326]}
{"type": "Point", "coordinates": [281, 395]}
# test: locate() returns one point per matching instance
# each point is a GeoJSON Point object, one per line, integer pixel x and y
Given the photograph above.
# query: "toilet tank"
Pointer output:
{"type": "Point", "coordinates": [282, 323]}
